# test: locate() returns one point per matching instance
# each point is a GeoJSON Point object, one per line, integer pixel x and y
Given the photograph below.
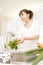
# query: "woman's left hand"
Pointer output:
{"type": "Point", "coordinates": [39, 44]}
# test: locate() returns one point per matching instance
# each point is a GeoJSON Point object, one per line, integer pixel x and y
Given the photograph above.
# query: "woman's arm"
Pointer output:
{"type": "Point", "coordinates": [32, 38]}
{"type": "Point", "coordinates": [28, 38]}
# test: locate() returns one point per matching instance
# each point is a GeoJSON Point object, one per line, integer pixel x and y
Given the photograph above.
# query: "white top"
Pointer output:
{"type": "Point", "coordinates": [28, 32]}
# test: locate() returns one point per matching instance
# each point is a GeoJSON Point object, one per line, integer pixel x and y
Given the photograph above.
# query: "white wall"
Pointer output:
{"type": "Point", "coordinates": [39, 15]}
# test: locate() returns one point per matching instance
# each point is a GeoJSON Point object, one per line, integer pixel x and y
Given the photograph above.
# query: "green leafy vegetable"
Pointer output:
{"type": "Point", "coordinates": [34, 51]}
{"type": "Point", "coordinates": [13, 44]}
{"type": "Point", "coordinates": [38, 51]}
{"type": "Point", "coordinates": [40, 57]}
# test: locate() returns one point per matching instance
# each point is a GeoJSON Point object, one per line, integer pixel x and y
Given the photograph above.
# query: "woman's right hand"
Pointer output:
{"type": "Point", "coordinates": [20, 41]}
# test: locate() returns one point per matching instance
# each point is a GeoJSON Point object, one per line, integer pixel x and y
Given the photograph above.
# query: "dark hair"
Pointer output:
{"type": "Point", "coordinates": [27, 12]}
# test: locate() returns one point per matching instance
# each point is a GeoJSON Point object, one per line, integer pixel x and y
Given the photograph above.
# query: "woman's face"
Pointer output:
{"type": "Point", "coordinates": [24, 17]}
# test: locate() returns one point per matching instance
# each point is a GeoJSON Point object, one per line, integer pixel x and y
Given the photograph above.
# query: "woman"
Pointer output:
{"type": "Point", "coordinates": [28, 34]}
{"type": "Point", "coordinates": [29, 30]}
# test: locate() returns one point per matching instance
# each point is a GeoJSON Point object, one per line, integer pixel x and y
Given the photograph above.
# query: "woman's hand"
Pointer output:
{"type": "Point", "coordinates": [20, 41]}
{"type": "Point", "coordinates": [39, 44]}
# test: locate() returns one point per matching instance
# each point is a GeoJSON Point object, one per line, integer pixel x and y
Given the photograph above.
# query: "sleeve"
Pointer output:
{"type": "Point", "coordinates": [36, 28]}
